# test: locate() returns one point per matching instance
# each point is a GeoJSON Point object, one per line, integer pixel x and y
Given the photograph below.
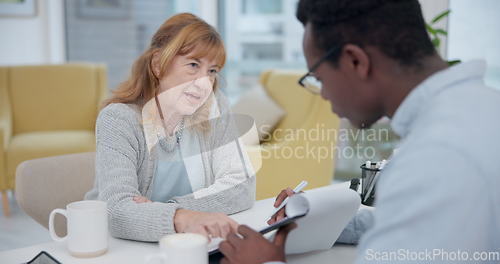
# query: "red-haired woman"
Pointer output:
{"type": "Point", "coordinates": [188, 175]}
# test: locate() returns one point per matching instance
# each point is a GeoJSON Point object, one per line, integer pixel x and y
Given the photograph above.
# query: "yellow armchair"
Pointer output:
{"type": "Point", "coordinates": [302, 146]}
{"type": "Point", "coordinates": [46, 110]}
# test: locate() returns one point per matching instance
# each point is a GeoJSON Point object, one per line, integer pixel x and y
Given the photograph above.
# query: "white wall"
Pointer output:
{"type": "Point", "coordinates": [430, 9]}
{"type": "Point", "coordinates": [475, 34]}
{"type": "Point", "coordinates": [34, 40]}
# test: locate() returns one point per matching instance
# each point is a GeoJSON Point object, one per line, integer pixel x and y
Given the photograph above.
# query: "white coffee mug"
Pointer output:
{"type": "Point", "coordinates": [182, 248]}
{"type": "Point", "coordinates": [87, 225]}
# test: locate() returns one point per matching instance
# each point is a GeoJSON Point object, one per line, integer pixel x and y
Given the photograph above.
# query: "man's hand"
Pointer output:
{"type": "Point", "coordinates": [252, 248]}
{"type": "Point", "coordinates": [281, 213]}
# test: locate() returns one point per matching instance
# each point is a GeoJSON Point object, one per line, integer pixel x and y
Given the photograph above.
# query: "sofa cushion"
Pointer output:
{"type": "Point", "coordinates": [283, 88]}
{"type": "Point", "coordinates": [63, 96]}
{"type": "Point", "coordinates": [27, 146]}
{"type": "Point", "coordinates": [266, 113]}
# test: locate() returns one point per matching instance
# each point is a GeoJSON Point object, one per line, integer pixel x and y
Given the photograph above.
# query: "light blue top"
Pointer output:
{"type": "Point", "coordinates": [438, 197]}
{"type": "Point", "coordinates": [172, 177]}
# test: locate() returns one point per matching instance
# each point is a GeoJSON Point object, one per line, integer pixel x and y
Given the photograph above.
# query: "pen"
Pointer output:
{"type": "Point", "coordinates": [364, 183]}
{"type": "Point", "coordinates": [297, 189]}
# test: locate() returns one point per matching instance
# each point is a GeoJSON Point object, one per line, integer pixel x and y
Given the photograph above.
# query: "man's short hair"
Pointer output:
{"type": "Point", "coordinates": [395, 27]}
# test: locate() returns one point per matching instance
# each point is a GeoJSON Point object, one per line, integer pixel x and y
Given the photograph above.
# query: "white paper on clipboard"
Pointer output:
{"type": "Point", "coordinates": [329, 210]}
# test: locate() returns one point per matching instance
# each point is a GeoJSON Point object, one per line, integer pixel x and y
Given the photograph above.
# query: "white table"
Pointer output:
{"type": "Point", "coordinates": [125, 251]}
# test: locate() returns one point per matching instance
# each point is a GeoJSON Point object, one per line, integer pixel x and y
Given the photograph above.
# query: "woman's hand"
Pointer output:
{"type": "Point", "coordinates": [141, 199]}
{"type": "Point", "coordinates": [208, 224]}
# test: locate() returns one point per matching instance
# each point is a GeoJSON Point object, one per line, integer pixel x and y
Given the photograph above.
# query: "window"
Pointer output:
{"type": "Point", "coordinates": [116, 32]}
{"type": "Point", "coordinates": [259, 35]}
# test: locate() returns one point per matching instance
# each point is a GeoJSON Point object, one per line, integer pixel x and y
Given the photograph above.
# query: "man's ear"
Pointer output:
{"type": "Point", "coordinates": [155, 63]}
{"type": "Point", "coordinates": [357, 59]}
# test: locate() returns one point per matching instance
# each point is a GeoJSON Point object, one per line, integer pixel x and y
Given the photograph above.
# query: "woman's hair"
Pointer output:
{"type": "Point", "coordinates": [179, 35]}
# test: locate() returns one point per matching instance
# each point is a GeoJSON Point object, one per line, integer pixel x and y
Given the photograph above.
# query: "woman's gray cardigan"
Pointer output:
{"type": "Point", "coordinates": [125, 168]}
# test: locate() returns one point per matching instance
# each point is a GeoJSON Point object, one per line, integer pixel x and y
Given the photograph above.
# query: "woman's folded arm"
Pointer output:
{"type": "Point", "coordinates": [117, 161]}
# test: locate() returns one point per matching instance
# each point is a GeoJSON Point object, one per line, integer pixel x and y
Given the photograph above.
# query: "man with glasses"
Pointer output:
{"type": "Point", "coordinates": [437, 199]}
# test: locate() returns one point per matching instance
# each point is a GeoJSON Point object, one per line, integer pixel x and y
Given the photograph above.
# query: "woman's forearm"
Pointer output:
{"type": "Point", "coordinates": [229, 201]}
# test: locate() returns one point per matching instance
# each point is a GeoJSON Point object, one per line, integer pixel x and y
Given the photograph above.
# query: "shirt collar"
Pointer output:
{"type": "Point", "coordinates": [416, 99]}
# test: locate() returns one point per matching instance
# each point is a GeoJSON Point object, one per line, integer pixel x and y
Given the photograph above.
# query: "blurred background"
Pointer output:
{"type": "Point", "coordinates": [259, 34]}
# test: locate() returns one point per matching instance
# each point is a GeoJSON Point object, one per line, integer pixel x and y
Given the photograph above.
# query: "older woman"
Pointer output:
{"type": "Point", "coordinates": [162, 164]}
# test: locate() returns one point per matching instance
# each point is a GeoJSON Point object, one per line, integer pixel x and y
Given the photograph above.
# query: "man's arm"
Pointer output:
{"type": "Point", "coordinates": [427, 198]}
{"type": "Point", "coordinates": [359, 224]}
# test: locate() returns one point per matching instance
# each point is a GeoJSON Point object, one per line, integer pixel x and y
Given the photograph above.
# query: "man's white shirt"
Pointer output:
{"type": "Point", "coordinates": [438, 198]}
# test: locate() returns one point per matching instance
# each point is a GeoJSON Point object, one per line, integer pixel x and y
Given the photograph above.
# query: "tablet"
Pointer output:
{"type": "Point", "coordinates": [283, 222]}
{"type": "Point", "coordinates": [43, 258]}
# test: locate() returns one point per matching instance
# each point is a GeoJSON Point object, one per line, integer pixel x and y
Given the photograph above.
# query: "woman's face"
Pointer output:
{"type": "Point", "coordinates": [187, 83]}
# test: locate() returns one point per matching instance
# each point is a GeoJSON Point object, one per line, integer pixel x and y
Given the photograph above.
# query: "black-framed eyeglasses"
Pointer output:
{"type": "Point", "coordinates": [309, 81]}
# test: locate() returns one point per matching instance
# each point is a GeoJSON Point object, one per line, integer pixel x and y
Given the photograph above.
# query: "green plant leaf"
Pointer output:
{"type": "Point", "coordinates": [453, 62]}
{"type": "Point", "coordinates": [430, 29]}
{"type": "Point", "coordinates": [436, 42]}
{"type": "Point", "coordinates": [440, 16]}
{"type": "Point", "coordinates": [441, 31]}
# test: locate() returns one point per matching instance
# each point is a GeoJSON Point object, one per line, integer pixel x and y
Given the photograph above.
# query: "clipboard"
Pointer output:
{"type": "Point", "coordinates": [321, 215]}
{"type": "Point", "coordinates": [283, 222]}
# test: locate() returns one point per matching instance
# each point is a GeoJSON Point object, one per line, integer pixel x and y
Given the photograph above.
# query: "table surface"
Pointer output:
{"type": "Point", "coordinates": [126, 251]}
